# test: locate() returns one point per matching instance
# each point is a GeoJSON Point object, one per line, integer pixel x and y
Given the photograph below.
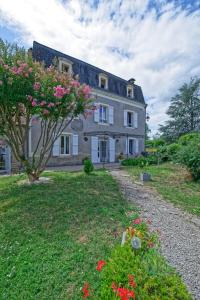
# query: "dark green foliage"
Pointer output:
{"type": "Point", "coordinates": [154, 278]}
{"type": "Point", "coordinates": [189, 156]}
{"type": "Point", "coordinates": [88, 166]}
{"type": "Point", "coordinates": [140, 161]}
{"type": "Point", "coordinates": [184, 112]}
{"type": "Point", "coordinates": [186, 138]}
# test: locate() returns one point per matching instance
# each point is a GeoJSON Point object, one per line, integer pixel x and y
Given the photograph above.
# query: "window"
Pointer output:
{"type": "Point", "coordinates": [131, 146]}
{"type": "Point", "coordinates": [129, 91]}
{"type": "Point", "coordinates": [103, 114]}
{"type": "Point", "coordinates": [129, 119]}
{"type": "Point", "coordinates": [103, 81]}
{"type": "Point", "coordinates": [65, 65]}
{"type": "Point", "coordinates": [65, 68]}
{"type": "Point", "coordinates": [65, 145]}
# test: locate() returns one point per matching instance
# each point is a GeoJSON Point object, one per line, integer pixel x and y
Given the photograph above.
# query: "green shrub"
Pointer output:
{"type": "Point", "coordinates": [140, 161]}
{"type": "Point", "coordinates": [189, 156]}
{"type": "Point", "coordinates": [88, 166]}
{"type": "Point", "coordinates": [141, 270]}
{"type": "Point", "coordinates": [186, 138]}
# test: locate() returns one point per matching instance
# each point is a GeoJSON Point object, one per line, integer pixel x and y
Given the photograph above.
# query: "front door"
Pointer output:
{"type": "Point", "coordinates": [103, 150]}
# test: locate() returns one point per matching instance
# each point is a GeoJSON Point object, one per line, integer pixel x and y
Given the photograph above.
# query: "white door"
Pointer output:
{"type": "Point", "coordinates": [95, 149]}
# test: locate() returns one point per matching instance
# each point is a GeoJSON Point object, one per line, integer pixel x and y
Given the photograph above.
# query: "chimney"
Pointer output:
{"type": "Point", "coordinates": [131, 81]}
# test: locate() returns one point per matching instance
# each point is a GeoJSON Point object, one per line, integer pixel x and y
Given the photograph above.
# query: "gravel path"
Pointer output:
{"type": "Point", "coordinates": [179, 231]}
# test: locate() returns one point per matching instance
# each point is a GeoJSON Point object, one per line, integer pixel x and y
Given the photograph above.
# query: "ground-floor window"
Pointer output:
{"type": "Point", "coordinates": [131, 146]}
{"type": "Point", "coordinates": [2, 158]}
{"type": "Point", "coordinates": [65, 144]}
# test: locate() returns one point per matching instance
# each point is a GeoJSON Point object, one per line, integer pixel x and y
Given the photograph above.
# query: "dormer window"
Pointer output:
{"type": "Point", "coordinates": [65, 65]}
{"type": "Point", "coordinates": [103, 81]}
{"type": "Point", "coordinates": [130, 91]}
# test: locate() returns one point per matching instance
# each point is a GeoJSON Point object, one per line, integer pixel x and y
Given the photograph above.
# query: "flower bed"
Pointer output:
{"type": "Point", "coordinates": [136, 270]}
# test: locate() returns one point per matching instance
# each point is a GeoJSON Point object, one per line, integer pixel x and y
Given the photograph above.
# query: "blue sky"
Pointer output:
{"type": "Point", "coordinates": [155, 41]}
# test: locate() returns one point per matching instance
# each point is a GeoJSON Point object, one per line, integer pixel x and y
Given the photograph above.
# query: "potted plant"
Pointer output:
{"type": "Point", "coordinates": [120, 157]}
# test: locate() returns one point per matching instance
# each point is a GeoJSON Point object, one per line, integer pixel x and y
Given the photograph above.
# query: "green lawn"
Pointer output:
{"type": "Point", "coordinates": [173, 183]}
{"type": "Point", "coordinates": [52, 235]}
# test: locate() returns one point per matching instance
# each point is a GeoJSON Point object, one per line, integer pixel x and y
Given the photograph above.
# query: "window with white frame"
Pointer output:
{"type": "Point", "coordinates": [131, 146]}
{"type": "Point", "coordinates": [103, 81]}
{"type": "Point", "coordinates": [65, 144]}
{"type": "Point", "coordinates": [130, 91]}
{"type": "Point", "coordinates": [103, 114]}
{"type": "Point", "coordinates": [65, 66]}
{"type": "Point", "coordinates": [130, 119]}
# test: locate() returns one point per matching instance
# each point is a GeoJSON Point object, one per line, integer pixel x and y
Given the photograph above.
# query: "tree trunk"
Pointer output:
{"type": "Point", "coordinates": [33, 176]}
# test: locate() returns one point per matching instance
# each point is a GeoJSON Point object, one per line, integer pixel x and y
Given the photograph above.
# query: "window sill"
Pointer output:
{"type": "Point", "coordinates": [65, 155]}
{"type": "Point", "coordinates": [107, 124]}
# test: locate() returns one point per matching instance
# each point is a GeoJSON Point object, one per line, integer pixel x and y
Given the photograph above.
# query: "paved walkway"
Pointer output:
{"type": "Point", "coordinates": [180, 231]}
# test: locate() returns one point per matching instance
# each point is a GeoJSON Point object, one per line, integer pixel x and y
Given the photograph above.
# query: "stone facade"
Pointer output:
{"type": "Point", "coordinates": [116, 127]}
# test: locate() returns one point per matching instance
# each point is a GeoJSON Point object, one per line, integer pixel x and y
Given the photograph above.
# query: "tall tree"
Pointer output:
{"type": "Point", "coordinates": [184, 112]}
{"type": "Point", "coordinates": [30, 91]}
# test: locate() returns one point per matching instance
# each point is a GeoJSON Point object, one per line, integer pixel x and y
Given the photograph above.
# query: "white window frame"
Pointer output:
{"type": "Point", "coordinates": [69, 136]}
{"type": "Point", "coordinates": [129, 88]}
{"type": "Point", "coordinates": [104, 77]}
{"type": "Point", "coordinates": [107, 114]}
{"type": "Point", "coordinates": [66, 62]}
{"type": "Point", "coordinates": [132, 123]}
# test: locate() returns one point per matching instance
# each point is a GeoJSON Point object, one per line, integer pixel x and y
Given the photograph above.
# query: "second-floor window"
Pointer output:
{"type": "Point", "coordinates": [103, 114]}
{"type": "Point", "coordinates": [129, 119]}
{"type": "Point", "coordinates": [129, 91]}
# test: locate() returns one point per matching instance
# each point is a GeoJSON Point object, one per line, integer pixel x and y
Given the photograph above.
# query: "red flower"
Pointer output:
{"type": "Point", "coordinates": [123, 293]}
{"type": "Point", "coordinates": [150, 244]}
{"type": "Point", "coordinates": [131, 281]}
{"type": "Point", "coordinates": [137, 221]}
{"type": "Point", "coordinates": [149, 221]}
{"type": "Point", "coordinates": [85, 290]}
{"type": "Point", "coordinates": [100, 265]}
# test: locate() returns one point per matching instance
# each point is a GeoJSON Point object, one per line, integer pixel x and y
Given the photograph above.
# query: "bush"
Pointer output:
{"type": "Point", "coordinates": [141, 161]}
{"type": "Point", "coordinates": [136, 270]}
{"type": "Point", "coordinates": [189, 156]}
{"type": "Point", "coordinates": [186, 138]}
{"type": "Point", "coordinates": [88, 166]}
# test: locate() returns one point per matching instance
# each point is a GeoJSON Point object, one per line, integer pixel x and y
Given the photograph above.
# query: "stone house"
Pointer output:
{"type": "Point", "coordinates": [116, 127]}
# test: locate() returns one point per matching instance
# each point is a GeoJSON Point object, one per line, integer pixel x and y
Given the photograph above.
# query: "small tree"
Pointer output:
{"type": "Point", "coordinates": [30, 91]}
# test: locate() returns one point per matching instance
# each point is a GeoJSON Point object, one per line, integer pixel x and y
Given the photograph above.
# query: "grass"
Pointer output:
{"type": "Point", "coordinates": [52, 235]}
{"type": "Point", "coordinates": [173, 183]}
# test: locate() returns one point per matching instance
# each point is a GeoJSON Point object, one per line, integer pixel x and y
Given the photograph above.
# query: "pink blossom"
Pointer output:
{"type": "Point", "coordinates": [33, 103]}
{"type": "Point", "coordinates": [30, 70]}
{"type": "Point", "coordinates": [60, 91]}
{"type": "Point", "coordinates": [51, 104]}
{"type": "Point", "coordinates": [46, 112]}
{"type": "Point", "coordinates": [26, 74]}
{"type": "Point", "coordinates": [75, 83]}
{"type": "Point", "coordinates": [6, 67]}
{"type": "Point", "coordinates": [43, 103]}
{"type": "Point", "coordinates": [86, 90]}
{"type": "Point", "coordinates": [36, 86]}
{"type": "Point", "coordinates": [29, 97]}
{"type": "Point", "coordinates": [14, 70]}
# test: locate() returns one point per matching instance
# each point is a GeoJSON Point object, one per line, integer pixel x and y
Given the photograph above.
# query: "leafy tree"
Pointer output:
{"type": "Point", "coordinates": [184, 112]}
{"type": "Point", "coordinates": [29, 92]}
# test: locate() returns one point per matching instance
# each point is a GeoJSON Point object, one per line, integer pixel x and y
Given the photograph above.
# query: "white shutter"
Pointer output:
{"type": "Point", "coordinates": [56, 147]}
{"type": "Point", "coordinates": [111, 149]}
{"type": "Point", "coordinates": [75, 144]}
{"type": "Point", "coordinates": [125, 118]}
{"type": "Point", "coordinates": [111, 114]}
{"type": "Point", "coordinates": [126, 146]}
{"type": "Point", "coordinates": [95, 149]}
{"type": "Point", "coordinates": [135, 120]}
{"type": "Point", "coordinates": [136, 146]}
{"type": "Point", "coordinates": [96, 113]}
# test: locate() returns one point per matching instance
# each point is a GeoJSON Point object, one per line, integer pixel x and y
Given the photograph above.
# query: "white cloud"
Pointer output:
{"type": "Point", "coordinates": [162, 52]}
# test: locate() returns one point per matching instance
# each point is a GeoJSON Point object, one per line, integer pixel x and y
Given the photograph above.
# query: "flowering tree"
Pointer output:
{"type": "Point", "coordinates": [30, 91]}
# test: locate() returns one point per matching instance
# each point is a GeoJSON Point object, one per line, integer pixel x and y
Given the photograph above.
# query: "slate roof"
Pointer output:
{"type": "Point", "coordinates": [88, 74]}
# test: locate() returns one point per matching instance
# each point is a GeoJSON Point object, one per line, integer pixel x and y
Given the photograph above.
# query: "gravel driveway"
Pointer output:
{"type": "Point", "coordinates": [179, 231]}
